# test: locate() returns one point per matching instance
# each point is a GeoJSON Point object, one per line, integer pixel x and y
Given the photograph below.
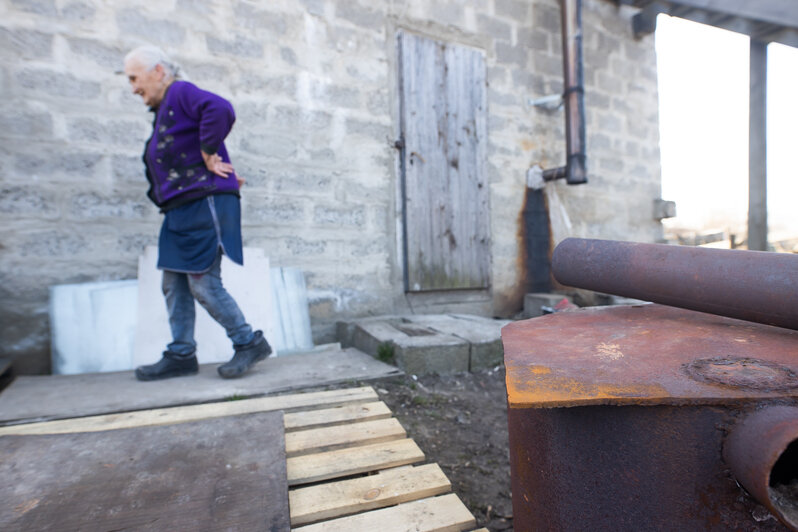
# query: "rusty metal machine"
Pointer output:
{"type": "Point", "coordinates": [652, 417]}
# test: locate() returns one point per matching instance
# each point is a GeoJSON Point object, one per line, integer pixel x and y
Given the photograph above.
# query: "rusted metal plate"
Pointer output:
{"type": "Point", "coordinates": [646, 354]}
{"type": "Point", "coordinates": [628, 468]}
{"type": "Point", "coordinates": [215, 474]}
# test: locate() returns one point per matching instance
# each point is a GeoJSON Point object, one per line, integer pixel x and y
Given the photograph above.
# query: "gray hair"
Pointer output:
{"type": "Point", "coordinates": [151, 56]}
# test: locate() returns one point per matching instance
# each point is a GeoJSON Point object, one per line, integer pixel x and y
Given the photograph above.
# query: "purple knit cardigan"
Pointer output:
{"type": "Point", "coordinates": [188, 120]}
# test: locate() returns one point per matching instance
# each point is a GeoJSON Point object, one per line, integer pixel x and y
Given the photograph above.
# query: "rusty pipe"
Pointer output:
{"type": "Point", "coordinates": [575, 169]}
{"type": "Point", "coordinates": [762, 451]}
{"type": "Point", "coordinates": [574, 95]}
{"type": "Point", "coordinates": [749, 285]}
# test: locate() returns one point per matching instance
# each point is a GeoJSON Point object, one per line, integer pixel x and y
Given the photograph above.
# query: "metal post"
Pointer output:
{"type": "Point", "coordinates": [757, 149]}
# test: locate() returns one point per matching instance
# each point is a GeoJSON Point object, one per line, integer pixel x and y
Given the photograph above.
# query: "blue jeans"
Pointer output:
{"type": "Point", "coordinates": [180, 291]}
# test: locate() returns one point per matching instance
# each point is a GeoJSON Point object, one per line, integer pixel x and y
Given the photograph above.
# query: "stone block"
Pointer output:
{"type": "Point", "coordinates": [482, 334]}
{"type": "Point", "coordinates": [58, 84]}
{"type": "Point", "coordinates": [534, 303]}
{"type": "Point", "coordinates": [155, 30]}
{"type": "Point", "coordinates": [417, 350]}
{"type": "Point", "coordinates": [25, 44]}
{"type": "Point", "coordinates": [239, 47]}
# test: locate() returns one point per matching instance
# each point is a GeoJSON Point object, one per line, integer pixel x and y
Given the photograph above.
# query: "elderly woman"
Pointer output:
{"type": "Point", "coordinates": [194, 184]}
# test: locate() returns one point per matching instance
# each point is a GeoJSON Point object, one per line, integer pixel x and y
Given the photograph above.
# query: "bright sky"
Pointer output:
{"type": "Point", "coordinates": [703, 92]}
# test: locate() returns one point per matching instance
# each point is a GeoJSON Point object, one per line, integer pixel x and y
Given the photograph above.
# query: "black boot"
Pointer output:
{"type": "Point", "coordinates": [245, 357]}
{"type": "Point", "coordinates": [171, 365]}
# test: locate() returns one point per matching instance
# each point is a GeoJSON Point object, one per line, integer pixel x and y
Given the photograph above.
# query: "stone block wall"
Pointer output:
{"type": "Point", "coordinates": [314, 86]}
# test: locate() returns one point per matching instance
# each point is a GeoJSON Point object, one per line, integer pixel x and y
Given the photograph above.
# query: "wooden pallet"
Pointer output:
{"type": "Point", "coordinates": [350, 464]}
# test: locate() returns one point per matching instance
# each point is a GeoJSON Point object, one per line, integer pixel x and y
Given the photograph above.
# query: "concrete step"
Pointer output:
{"type": "Point", "coordinates": [428, 343]}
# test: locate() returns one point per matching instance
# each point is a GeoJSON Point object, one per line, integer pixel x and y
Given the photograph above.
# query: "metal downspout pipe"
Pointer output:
{"type": "Point", "coordinates": [575, 169]}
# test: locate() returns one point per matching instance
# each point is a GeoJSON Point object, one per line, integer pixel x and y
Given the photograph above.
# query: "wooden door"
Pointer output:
{"type": "Point", "coordinates": [444, 190]}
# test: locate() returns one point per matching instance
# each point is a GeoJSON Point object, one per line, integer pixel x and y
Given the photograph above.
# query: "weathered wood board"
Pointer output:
{"type": "Point", "coordinates": [445, 191]}
{"type": "Point", "coordinates": [386, 488]}
{"type": "Point", "coordinates": [437, 514]}
{"type": "Point", "coordinates": [217, 474]}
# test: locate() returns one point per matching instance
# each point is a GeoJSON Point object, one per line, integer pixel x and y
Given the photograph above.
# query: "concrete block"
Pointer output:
{"type": "Point", "coordinates": [506, 53]}
{"type": "Point", "coordinates": [298, 120]}
{"type": "Point", "coordinates": [300, 246]}
{"type": "Point", "coordinates": [25, 123]}
{"type": "Point", "coordinates": [314, 7]}
{"type": "Point", "coordinates": [546, 16]}
{"type": "Point", "coordinates": [42, 204]}
{"type": "Point", "coordinates": [58, 84]}
{"type": "Point", "coordinates": [239, 47]}
{"type": "Point", "coordinates": [92, 205]}
{"type": "Point", "coordinates": [155, 30]}
{"type": "Point", "coordinates": [495, 28]}
{"type": "Point", "coordinates": [535, 39]}
{"type": "Point", "coordinates": [547, 64]}
{"type": "Point", "coordinates": [270, 145]}
{"type": "Point", "coordinates": [272, 210]}
{"type": "Point", "coordinates": [25, 44]}
{"type": "Point", "coordinates": [533, 303]}
{"type": "Point", "coordinates": [345, 216]}
{"type": "Point", "coordinates": [249, 16]}
{"type": "Point", "coordinates": [482, 334]}
{"type": "Point", "coordinates": [359, 15]}
{"type": "Point", "coordinates": [288, 55]}
{"type": "Point", "coordinates": [38, 7]}
{"type": "Point", "coordinates": [514, 9]}
{"type": "Point", "coordinates": [78, 11]}
{"type": "Point", "coordinates": [128, 169]}
{"type": "Point", "coordinates": [110, 57]}
{"type": "Point", "coordinates": [417, 350]}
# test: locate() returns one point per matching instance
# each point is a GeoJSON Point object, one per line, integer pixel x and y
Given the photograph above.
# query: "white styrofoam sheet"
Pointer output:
{"type": "Point", "coordinates": [92, 326]}
{"type": "Point", "coordinates": [249, 285]}
{"type": "Point", "coordinates": [290, 305]}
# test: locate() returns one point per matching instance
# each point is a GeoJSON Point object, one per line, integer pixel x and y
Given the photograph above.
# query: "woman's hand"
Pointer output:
{"type": "Point", "coordinates": [215, 164]}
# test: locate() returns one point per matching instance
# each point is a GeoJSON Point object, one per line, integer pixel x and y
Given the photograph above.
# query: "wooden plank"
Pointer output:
{"type": "Point", "coordinates": [220, 474]}
{"type": "Point", "coordinates": [438, 514]}
{"type": "Point", "coordinates": [351, 461]}
{"type": "Point", "coordinates": [341, 436]}
{"type": "Point", "coordinates": [336, 416]}
{"type": "Point", "coordinates": [182, 414]}
{"type": "Point", "coordinates": [336, 499]}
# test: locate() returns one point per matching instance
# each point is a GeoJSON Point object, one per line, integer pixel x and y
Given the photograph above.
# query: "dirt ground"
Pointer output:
{"type": "Point", "coordinates": [460, 422]}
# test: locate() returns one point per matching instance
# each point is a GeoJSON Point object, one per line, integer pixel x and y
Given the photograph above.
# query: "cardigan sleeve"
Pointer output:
{"type": "Point", "coordinates": [214, 114]}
